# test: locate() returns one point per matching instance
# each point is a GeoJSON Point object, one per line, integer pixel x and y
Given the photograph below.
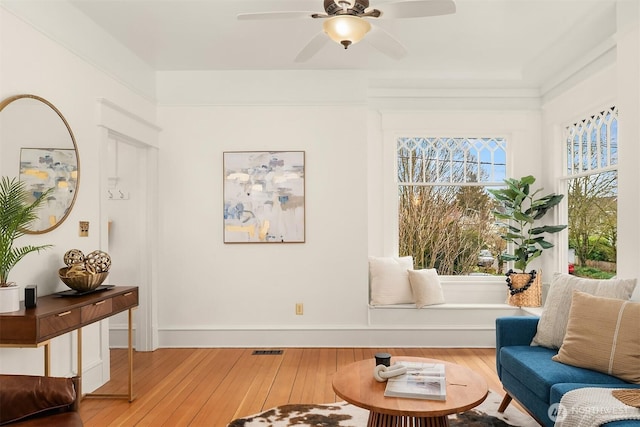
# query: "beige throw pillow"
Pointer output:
{"type": "Point", "coordinates": [389, 280]}
{"type": "Point", "coordinates": [426, 287]}
{"type": "Point", "coordinates": [553, 321]}
{"type": "Point", "coordinates": [603, 334]}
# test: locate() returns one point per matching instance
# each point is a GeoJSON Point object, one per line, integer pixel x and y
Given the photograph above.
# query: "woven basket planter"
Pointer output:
{"type": "Point", "coordinates": [525, 289]}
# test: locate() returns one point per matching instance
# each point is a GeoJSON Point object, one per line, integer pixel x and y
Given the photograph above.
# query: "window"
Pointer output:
{"type": "Point", "coordinates": [592, 193]}
{"type": "Point", "coordinates": [444, 211]}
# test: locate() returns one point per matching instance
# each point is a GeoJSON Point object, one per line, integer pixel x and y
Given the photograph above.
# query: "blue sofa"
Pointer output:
{"type": "Point", "coordinates": [531, 378]}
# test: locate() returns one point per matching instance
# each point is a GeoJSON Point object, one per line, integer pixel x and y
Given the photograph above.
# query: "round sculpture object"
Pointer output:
{"type": "Point", "coordinates": [97, 262]}
{"type": "Point", "coordinates": [73, 256]}
{"type": "Point", "coordinates": [85, 273]}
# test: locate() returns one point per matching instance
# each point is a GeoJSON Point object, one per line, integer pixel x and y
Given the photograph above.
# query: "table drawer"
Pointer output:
{"type": "Point", "coordinates": [125, 301]}
{"type": "Point", "coordinates": [96, 311]}
{"type": "Point", "coordinates": [67, 320]}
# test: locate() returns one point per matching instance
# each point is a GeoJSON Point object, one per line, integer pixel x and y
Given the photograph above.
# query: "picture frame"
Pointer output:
{"type": "Point", "coordinates": [44, 168]}
{"type": "Point", "coordinates": [264, 196]}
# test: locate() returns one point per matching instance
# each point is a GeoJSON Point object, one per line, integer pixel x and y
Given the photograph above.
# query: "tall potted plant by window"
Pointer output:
{"type": "Point", "coordinates": [518, 216]}
{"type": "Point", "coordinates": [16, 214]}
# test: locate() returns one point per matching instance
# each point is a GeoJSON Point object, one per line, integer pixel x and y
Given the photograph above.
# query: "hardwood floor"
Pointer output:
{"type": "Point", "coordinates": [212, 386]}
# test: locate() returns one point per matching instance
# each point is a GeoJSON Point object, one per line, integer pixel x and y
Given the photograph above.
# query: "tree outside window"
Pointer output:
{"type": "Point", "coordinates": [445, 216]}
{"type": "Point", "coordinates": [592, 193]}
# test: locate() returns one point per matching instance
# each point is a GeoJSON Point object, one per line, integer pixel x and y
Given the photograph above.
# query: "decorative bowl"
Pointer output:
{"type": "Point", "coordinates": [82, 283]}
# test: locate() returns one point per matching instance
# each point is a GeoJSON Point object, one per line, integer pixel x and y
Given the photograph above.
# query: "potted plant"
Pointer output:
{"type": "Point", "coordinates": [16, 214]}
{"type": "Point", "coordinates": [518, 217]}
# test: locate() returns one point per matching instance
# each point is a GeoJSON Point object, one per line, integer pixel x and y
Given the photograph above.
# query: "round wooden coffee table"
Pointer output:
{"type": "Point", "coordinates": [355, 384]}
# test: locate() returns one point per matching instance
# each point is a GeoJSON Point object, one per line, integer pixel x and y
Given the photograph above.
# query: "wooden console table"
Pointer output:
{"type": "Point", "coordinates": [55, 315]}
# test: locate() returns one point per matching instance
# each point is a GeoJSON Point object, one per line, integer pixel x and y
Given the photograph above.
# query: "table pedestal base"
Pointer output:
{"type": "Point", "coordinates": [377, 419]}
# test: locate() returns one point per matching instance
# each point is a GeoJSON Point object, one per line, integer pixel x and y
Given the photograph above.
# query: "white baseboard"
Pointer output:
{"type": "Point", "coordinates": [447, 325]}
{"type": "Point", "coordinates": [436, 336]}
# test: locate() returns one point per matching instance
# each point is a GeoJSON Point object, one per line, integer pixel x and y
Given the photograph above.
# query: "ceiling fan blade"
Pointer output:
{"type": "Point", "coordinates": [385, 43]}
{"type": "Point", "coordinates": [418, 8]}
{"type": "Point", "coordinates": [313, 47]}
{"type": "Point", "coordinates": [262, 16]}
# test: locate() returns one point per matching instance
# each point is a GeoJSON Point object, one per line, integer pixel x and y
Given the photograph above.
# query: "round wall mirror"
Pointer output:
{"type": "Point", "coordinates": [38, 146]}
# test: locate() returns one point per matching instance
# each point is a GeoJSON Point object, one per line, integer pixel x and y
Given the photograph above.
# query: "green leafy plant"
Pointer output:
{"type": "Point", "coordinates": [16, 215]}
{"type": "Point", "coordinates": [520, 210]}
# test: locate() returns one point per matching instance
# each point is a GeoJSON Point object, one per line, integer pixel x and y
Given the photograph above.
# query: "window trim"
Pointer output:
{"type": "Point", "coordinates": [502, 144]}
{"type": "Point", "coordinates": [564, 177]}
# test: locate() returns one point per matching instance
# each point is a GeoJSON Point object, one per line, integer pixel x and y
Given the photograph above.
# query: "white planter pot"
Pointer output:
{"type": "Point", "coordinates": [9, 299]}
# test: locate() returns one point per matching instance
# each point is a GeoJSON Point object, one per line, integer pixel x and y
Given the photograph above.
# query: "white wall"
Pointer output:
{"type": "Point", "coordinates": [207, 284]}
{"type": "Point", "coordinates": [589, 96]}
{"type": "Point", "coordinates": [611, 86]}
{"type": "Point", "coordinates": [30, 62]}
{"type": "Point", "coordinates": [64, 23]}
{"type": "Point", "coordinates": [628, 99]}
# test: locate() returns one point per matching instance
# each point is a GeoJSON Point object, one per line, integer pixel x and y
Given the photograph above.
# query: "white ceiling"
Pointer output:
{"type": "Point", "coordinates": [519, 40]}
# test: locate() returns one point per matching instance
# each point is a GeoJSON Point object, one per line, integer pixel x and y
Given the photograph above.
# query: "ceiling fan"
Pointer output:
{"type": "Point", "coordinates": [345, 23]}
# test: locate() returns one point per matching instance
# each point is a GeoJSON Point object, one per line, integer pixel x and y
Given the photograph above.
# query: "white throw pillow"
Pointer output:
{"type": "Point", "coordinates": [555, 316]}
{"type": "Point", "coordinates": [389, 280]}
{"type": "Point", "coordinates": [426, 287]}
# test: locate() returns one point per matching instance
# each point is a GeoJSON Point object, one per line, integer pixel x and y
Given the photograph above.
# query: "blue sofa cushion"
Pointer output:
{"type": "Point", "coordinates": [538, 407]}
{"type": "Point", "coordinates": [533, 366]}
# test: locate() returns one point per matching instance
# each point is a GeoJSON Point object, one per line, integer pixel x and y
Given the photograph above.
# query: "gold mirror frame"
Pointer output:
{"type": "Point", "coordinates": [67, 211]}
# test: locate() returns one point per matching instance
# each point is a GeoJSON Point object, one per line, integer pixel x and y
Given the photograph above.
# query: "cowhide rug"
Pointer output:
{"type": "Point", "coordinates": [342, 414]}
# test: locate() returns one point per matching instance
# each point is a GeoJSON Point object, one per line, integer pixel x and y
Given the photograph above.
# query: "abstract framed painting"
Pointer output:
{"type": "Point", "coordinates": [44, 168]}
{"type": "Point", "coordinates": [264, 196]}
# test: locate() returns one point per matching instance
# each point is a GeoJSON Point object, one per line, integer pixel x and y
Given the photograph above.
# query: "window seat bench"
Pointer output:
{"type": "Point", "coordinates": [466, 319]}
{"type": "Point", "coordinates": [442, 325]}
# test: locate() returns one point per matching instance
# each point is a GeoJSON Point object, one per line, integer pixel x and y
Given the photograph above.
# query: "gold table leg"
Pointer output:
{"type": "Point", "coordinates": [130, 395]}
{"type": "Point", "coordinates": [47, 359]}
{"type": "Point", "coordinates": [79, 362]}
{"type": "Point", "coordinates": [130, 354]}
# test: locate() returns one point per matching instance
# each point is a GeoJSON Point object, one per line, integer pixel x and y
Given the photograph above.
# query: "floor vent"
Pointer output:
{"type": "Point", "coordinates": [266, 352]}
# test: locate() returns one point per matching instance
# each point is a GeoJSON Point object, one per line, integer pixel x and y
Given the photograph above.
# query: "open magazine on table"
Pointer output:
{"type": "Point", "coordinates": [422, 381]}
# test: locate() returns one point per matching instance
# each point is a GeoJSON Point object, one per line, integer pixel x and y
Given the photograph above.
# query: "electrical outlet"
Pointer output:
{"type": "Point", "coordinates": [84, 228]}
{"type": "Point", "coordinates": [299, 309]}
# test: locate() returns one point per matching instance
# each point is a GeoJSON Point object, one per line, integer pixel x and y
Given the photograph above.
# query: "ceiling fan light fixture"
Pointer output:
{"type": "Point", "coordinates": [345, 4]}
{"type": "Point", "coordinates": [346, 29]}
